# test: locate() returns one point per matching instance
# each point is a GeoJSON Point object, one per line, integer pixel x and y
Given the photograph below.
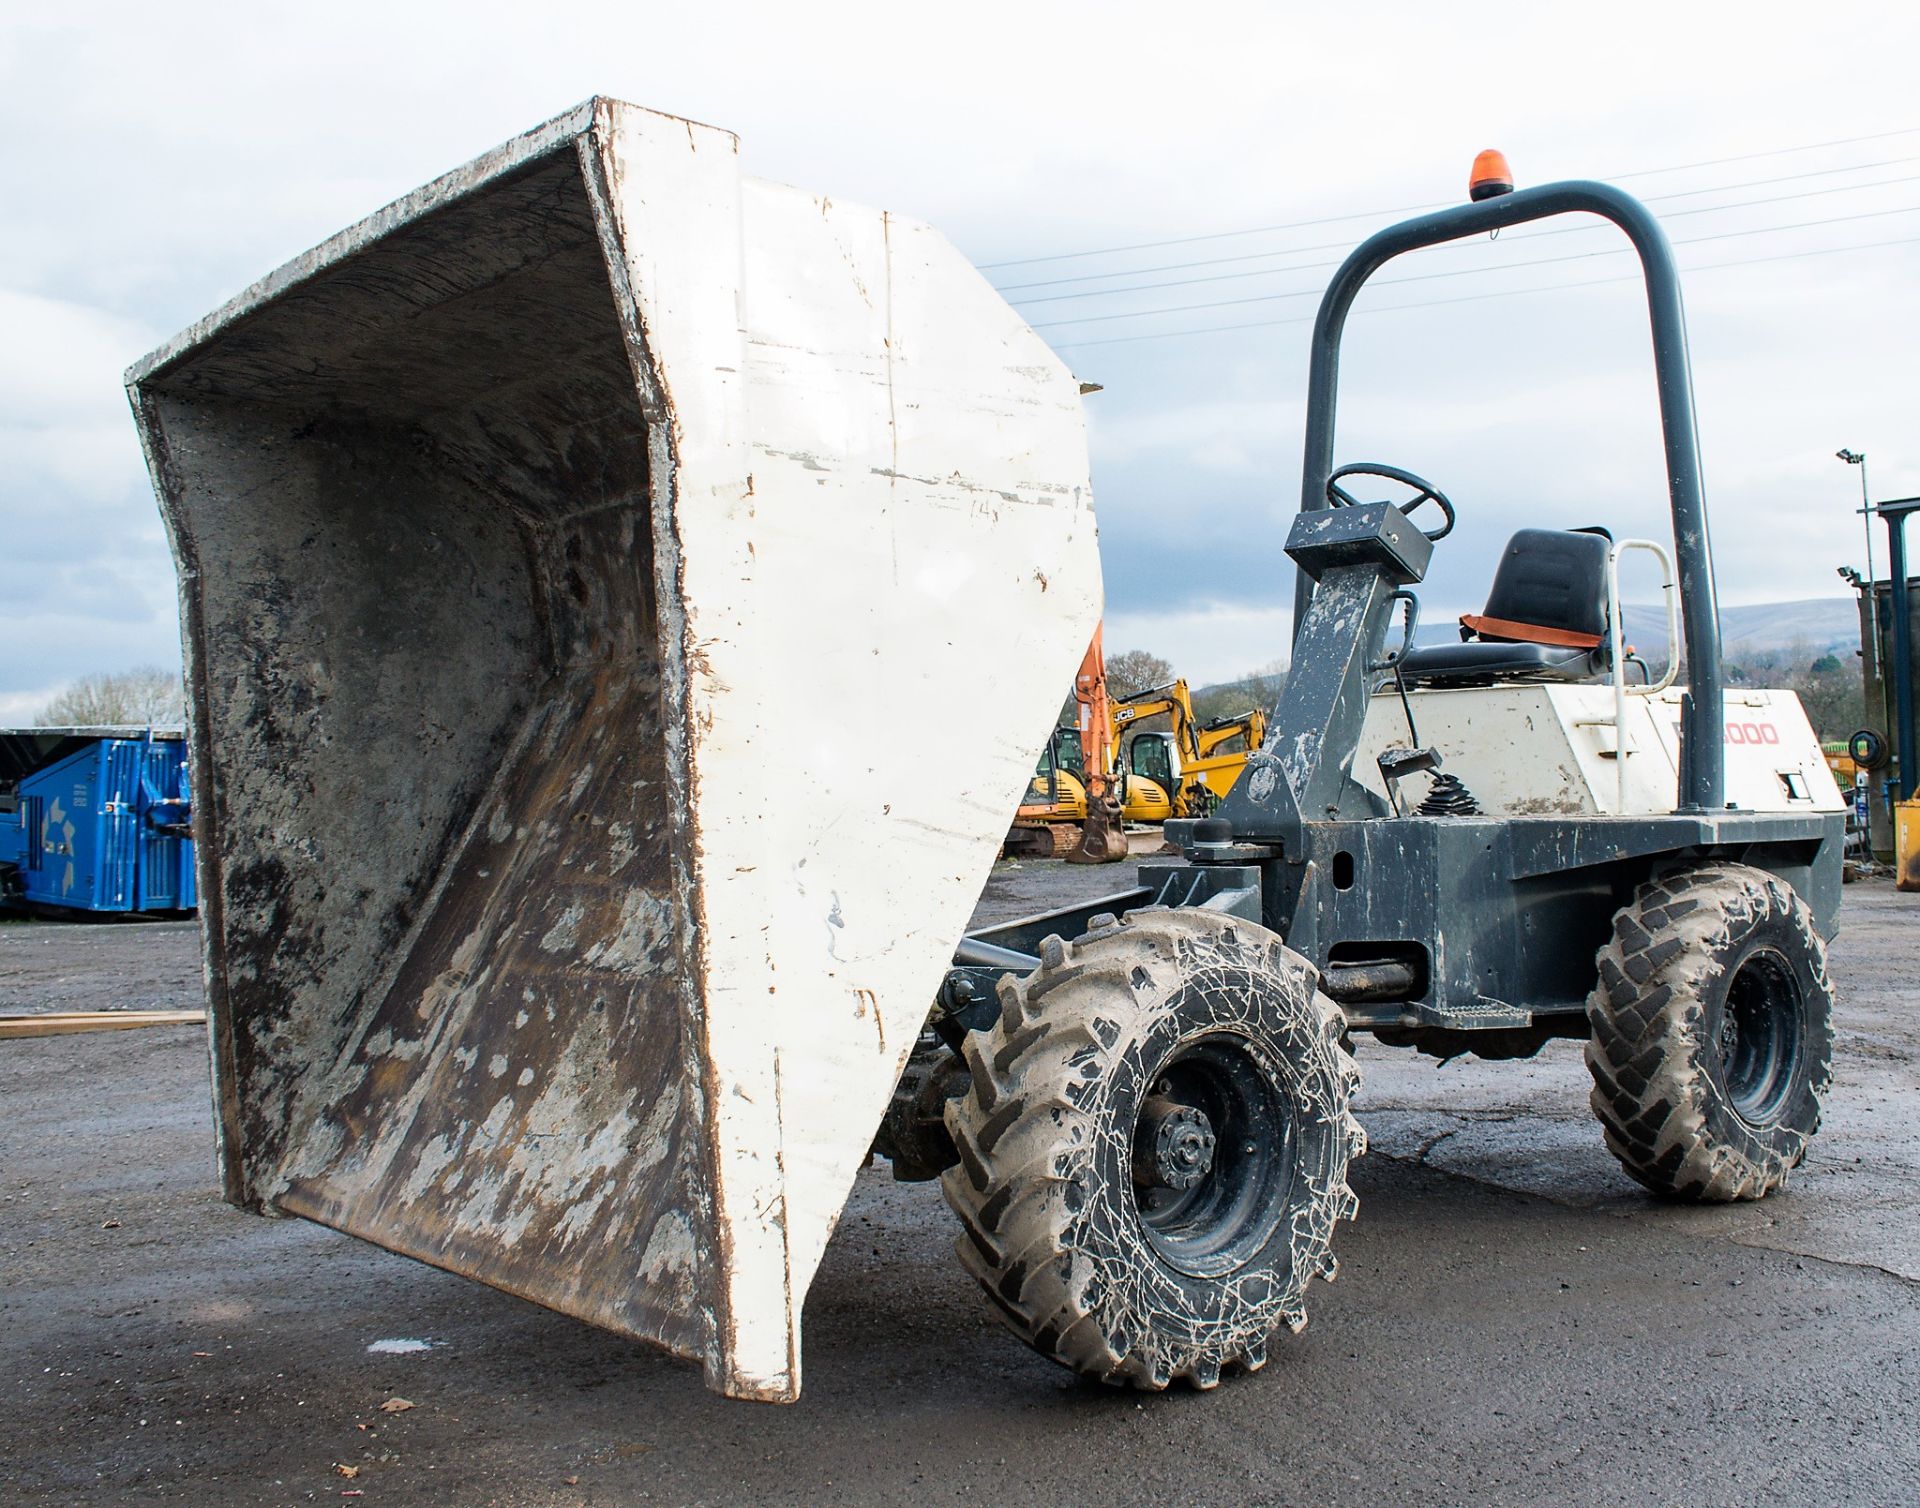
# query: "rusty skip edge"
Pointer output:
{"type": "Point", "coordinates": [585, 129]}
{"type": "Point", "coordinates": [683, 772]}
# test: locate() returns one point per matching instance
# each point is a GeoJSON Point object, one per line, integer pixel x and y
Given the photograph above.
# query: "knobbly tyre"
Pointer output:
{"type": "Point", "coordinates": [607, 505]}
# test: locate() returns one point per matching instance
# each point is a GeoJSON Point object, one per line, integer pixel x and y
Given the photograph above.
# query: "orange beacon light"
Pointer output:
{"type": "Point", "coordinates": [1490, 177]}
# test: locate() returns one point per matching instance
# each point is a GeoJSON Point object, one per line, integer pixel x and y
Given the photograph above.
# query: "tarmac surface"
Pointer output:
{"type": "Point", "coordinates": [1515, 1322]}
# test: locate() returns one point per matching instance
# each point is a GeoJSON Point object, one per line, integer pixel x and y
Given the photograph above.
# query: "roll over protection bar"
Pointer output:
{"type": "Point", "coordinates": [1702, 752]}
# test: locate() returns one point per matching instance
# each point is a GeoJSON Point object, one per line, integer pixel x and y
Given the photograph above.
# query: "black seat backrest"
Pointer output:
{"type": "Point", "coordinates": [1554, 579]}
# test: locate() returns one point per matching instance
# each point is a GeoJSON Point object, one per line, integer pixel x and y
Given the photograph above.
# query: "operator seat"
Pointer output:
{"type": "Point", "coordinates": [1545, 619]}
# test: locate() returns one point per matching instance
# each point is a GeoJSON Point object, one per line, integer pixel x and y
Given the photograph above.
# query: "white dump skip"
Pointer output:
{"type": "Point", "coordinates": [563, 551]}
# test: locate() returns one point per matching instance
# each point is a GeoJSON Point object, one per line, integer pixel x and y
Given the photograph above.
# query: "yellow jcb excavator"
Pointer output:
{"type": "Point", "coordinates": [1048, 823]}
{"type": "Point", "coordinates": [1183, 770]}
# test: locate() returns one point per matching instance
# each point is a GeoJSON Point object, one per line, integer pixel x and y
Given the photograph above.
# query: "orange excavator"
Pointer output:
{"type": "Point", "coordinates": [1072, 809]}
{"type": "Point", "coordinates": [1102, 838]}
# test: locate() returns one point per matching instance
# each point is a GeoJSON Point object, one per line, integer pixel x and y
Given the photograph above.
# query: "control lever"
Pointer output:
{"type": "Point", "coordinates": [1397, 764]}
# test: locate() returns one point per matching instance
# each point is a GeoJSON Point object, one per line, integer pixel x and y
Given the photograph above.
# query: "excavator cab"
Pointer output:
{"type": "Point", "coordinates": [1150, 778]}
{"type": "Point", "coordinates": [1152, 758]}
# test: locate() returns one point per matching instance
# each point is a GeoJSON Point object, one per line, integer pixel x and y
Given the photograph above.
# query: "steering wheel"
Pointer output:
{"type": "Point", "coordinates": [1339, 497]}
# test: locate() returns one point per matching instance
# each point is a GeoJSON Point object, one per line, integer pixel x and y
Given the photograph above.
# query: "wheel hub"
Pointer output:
{"type": "Point", "coordinates": [1174, 1146]}
{"type": "Point", "coordinates": [1760, 1032]}
{"type": "Point", "coordinates": [1212, 1146]}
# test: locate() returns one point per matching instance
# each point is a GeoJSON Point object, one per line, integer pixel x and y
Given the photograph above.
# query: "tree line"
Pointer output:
{"type": "Point", "coordinates": [145, 696]}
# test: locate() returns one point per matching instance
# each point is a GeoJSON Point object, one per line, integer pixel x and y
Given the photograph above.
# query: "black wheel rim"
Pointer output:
{"type": "Point", "coordinates": [1227, 1218]}
{"type": "Point", "coordinates": [1761, 1030]}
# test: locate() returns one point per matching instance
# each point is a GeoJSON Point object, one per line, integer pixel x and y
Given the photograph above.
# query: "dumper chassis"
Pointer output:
{"type": "Point", "coordinates": [1148, 1098]}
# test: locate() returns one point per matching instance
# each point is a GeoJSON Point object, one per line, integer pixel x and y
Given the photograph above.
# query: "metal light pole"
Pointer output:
{"type": "Point", "coordinates": [1859, 458]}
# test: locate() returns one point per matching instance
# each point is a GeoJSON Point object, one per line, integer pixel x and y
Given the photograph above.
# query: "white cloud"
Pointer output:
{"type": "Point", "coordinates": [19, 708]}
{"type": "Point", "coordinates": [1215, 643]}
{"type": "Point", "coordinates": [60, 358]}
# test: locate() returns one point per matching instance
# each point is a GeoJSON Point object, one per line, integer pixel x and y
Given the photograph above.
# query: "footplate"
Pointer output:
{"type": "Point", "coordinates": [1482, 1013]}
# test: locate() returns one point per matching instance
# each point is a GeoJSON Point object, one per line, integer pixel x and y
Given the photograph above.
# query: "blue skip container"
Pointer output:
{"type": "Point", "coordinates": [96, 820]}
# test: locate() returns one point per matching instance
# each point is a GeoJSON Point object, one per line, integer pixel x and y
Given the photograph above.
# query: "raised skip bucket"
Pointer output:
{"type": "Point", "coordinates": [574, 557]}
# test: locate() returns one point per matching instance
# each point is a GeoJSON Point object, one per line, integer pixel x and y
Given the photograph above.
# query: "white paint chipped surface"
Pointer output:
{"type": "Point", "coordinates": [880, 485]}
{"type": "Point", "coordinates": [1548, 749]}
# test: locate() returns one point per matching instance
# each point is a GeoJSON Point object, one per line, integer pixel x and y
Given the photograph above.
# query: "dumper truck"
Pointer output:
{"type": "Point", "coordinates": [607, 504]}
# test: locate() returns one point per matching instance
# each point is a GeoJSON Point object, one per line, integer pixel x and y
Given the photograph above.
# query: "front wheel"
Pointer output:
{"type": "Point", "coordinates": [1154, 1147]}
{"type": "Point", "coordinates": [1712, 1033]}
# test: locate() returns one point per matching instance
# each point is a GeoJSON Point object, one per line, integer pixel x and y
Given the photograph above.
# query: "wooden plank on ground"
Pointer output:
{"type": "Point", "coordinates": [60, 1023]}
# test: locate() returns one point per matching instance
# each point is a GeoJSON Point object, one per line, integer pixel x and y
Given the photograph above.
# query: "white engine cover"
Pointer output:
{"type": "Point", "coordinates": [1549, 750]}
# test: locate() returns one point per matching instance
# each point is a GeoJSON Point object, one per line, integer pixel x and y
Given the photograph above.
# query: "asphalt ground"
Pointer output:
{"type": "Point", "coordinates": [1514, 1322]}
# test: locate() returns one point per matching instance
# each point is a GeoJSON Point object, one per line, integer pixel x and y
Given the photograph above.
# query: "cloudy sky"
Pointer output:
{"type": "Point", "coordinates": [156, 159]}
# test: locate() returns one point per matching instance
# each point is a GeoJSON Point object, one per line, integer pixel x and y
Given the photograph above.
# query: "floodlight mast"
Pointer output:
{"type": "Point", "coordinates": [1859, 458]}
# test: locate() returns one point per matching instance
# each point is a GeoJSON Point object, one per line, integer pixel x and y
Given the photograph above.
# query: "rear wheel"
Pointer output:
{"type": "Point", "coordinates": [1154, 1148]}
{"type": "Point", "coordinates": [1712, 1038]}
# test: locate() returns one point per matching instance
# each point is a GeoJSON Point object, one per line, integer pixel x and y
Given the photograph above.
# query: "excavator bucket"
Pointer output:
{"type": "Point", "coordinates": [1103, 839]}
{"type": "Point", "coordinates": [572, 556]}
